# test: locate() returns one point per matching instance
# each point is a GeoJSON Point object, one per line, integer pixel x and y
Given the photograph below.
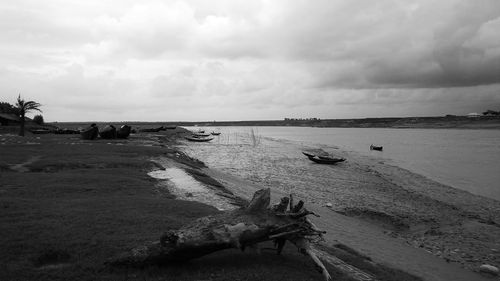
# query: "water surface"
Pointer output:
{"type": "Point", "coordinates": [464, 159]}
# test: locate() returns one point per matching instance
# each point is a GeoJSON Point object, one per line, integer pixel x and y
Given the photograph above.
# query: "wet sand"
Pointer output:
{"type": "Point", "coordinates": [398, 217]}
{"type": "Point", "coordinates": [370, 238]}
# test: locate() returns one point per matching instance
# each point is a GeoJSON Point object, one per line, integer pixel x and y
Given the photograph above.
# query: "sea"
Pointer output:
{"type": "Point", "coordinates": [467, 159]}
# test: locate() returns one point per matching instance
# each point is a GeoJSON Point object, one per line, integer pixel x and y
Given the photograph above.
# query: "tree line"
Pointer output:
{"type": "Point", "coordinates": [20, 109]}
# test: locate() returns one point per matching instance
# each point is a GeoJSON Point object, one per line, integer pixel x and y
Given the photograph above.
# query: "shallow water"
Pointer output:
{"type": "Point", "coordinates": [464, 159]}
{"type": "Point", "coordinates": [185, 187]}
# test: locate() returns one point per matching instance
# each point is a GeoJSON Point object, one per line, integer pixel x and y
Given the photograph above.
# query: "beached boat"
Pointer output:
{"type": "Point", "coordinates": [198, 138]}
{"type": "Point", "coordinates": [40, 131]}
{"type": "Point", "coordinates": [201, 134]}
{"type": "Point", "coordinates": [326, 160]}
{"type": "Point", "coordinates": [65, 131]}
{"type": "Point", "coordinates": [109, 132]}
{"type": "Point", "coordinates": [151, 130]}
{"type": "Point", "coordinates": [123, 132]}
{"type": "Point", "coordinates": [215, 133]}
{"type": "Point", "coordinates": [323, 159]}
{"type": "Point", "coordinates": [375, 147]}
{"type": "Point", "coordinates": [90, 133]}
{"type": "Point", "coordinates": [308, 154]}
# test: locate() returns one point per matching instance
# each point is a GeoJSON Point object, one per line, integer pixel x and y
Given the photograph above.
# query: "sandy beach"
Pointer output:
{"type": "Point", "coordinates": [86, 201]}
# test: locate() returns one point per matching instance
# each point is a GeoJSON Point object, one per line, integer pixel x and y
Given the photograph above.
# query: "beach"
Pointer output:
{"type": "Point", "coordinates": [70, 204]}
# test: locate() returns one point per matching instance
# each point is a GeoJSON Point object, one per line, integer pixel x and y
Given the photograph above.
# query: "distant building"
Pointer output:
{"type": "Point", "coordinates": [301, 119]}
{"type": "Point", "coordinates": [8, 119]}
{"type": "Point", "coordinates": [473, 115]}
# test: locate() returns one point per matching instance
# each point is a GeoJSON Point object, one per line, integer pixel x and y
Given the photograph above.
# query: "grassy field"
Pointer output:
{"type": "Point", "coordinates": [69, 205]}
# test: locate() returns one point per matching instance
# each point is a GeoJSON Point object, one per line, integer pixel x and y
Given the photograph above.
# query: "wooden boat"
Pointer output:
{"type": "Point", "coordinates": [60, 131]}
{"type": "Point", "coordinates": [375, 147]}
{"type": "Point", "coordinates": [204, 135]}
{"type": "Point", "coordinates": [123, 132]}
{"type": "Point", "coordinates": [326, 160]}
{"type": "Point", "coordinates": [40, 131]}
{"type": "Point", "coordinates": [90, 133]}
{"type": "Point", "coordinates": [173, 127]}
{"type": "Point", "coordinates": [109, 132]}
{"type": "Point", "coordinates": [308, 154]}
{"type": "Point", "coordinates": [198, 138]}
{"type": "Point", "coordinates": [215, 133]}
{"type": "Point", "coordinates": [151, 130]}
{"type": "Point", "coordinates": [323, 159]}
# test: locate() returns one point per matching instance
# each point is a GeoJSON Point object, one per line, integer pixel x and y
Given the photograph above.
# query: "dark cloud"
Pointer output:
{"type": "Point", "coordinates": [335, 58]}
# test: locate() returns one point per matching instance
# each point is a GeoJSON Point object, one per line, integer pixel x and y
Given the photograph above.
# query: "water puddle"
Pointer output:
{"type": "Point", "coordinates": [185, 187]}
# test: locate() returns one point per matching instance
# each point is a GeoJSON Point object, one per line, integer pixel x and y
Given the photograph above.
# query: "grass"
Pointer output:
{"type": "Point", "coordinates": [81, 203]}
{"type": "Point", "coordinates": [255, 138]}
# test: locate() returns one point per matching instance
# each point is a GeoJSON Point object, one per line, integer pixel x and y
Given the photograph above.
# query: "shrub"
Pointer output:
{"type": "Point", "coordinates": [38, 119]}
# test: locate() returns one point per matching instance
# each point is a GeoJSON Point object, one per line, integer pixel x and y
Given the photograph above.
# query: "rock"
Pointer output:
{"type": "Point", "coordinates": [490, 269]}
{"type": "Point", "coordinates": [329, 205]}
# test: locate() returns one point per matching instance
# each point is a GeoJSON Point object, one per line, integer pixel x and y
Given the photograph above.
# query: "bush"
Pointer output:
{"type": "Point", "coordinates": [38, 119]}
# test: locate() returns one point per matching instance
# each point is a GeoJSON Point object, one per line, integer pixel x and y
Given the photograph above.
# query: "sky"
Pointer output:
{"type": "Point", "coordinates": [200, 60]}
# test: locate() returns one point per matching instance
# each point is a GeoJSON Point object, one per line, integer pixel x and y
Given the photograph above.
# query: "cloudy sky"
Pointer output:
{"type": "Point", "coordinates": [250, 60]}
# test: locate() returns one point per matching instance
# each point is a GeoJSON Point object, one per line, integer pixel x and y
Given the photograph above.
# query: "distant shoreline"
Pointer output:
{"type": "Point", "coordinates": [445, 122]}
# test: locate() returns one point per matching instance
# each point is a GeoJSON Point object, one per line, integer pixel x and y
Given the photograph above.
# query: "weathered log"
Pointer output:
{"type": "Point", "coordinates": [240, 228]}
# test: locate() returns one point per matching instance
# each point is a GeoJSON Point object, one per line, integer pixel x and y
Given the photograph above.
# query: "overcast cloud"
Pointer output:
{"type": "Point", "coordinates": [236, 60]}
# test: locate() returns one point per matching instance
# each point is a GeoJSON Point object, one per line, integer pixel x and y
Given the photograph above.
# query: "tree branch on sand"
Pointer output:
{"type": "Point", "coordinates": [239, 229]}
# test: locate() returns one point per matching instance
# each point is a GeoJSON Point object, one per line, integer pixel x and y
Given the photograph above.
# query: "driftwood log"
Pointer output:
{"type": "Point", "coordinates": [242, 228]}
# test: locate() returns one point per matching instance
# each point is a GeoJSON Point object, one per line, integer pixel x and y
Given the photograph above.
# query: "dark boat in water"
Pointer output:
{"type": "Point", "coordinates": [90, 133]}
{"type": "Point", "coordinates": [109, 132]}
{"type": "Point", "coordinates": [323, 159]}
{"type": "Point", "coordinates": [376, 147]}
{"type": "Point", "coordinates": [123, 132]}
{"type": "Point", "coordinates": [198, 138]}
{"type": "Point", "coordinates": [215, 133]}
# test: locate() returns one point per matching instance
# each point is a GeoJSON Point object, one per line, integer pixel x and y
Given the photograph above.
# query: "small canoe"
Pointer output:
{"type": "Point", "coordinates": [375, 147]}
{"type": "Point", "coordinates": [40, 131]}
{"type": "Point", "coordinates": [201, 135]}
{"type": "Point", "coordinates": [198, 138]}
{"type": "Point", "coordinates": [326, 160]}
{"type": "Point", "coordinates": [123, 132]}
{"type": "Point", "coordinates": [308, 154]}
{"type": "Point", "coordinates": [109, 132]}
{"type": "Point", "coordinates": [66, 131]}
{"type": "Point", "coordinates": [215, 133]}
{"type": "Point", "coordinates": [323, 159]}
{"type": "Point", "coordinates": [90, 133]}
{"type": "Point", "coordinates": [151, 130]}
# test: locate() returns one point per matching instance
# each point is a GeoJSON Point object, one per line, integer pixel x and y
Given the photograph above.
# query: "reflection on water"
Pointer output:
{"type": "Point", "coordinates": [465, 159]}
{"type": "Point", "coordinates": [185, 187]}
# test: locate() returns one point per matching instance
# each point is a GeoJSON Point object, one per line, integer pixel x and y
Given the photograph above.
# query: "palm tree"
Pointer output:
{"type": "Point", "coordinates": [24, 107]}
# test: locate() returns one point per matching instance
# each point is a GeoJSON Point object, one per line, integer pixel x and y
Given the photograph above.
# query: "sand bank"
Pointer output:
{"type": "Point", "coordinates": [398, 217]}
{"type": "Point", "coordinates": [367, 237]}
